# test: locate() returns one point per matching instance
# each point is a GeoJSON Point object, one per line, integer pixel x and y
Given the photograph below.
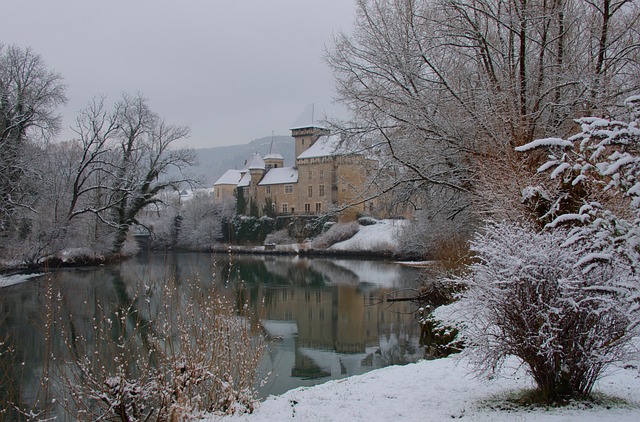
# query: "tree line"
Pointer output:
{"type": "Point", "coordinates": [87, 192]}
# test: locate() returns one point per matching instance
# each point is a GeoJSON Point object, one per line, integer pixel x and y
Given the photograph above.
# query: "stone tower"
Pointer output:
{"type": "Point", "coordinates": [306, 131]}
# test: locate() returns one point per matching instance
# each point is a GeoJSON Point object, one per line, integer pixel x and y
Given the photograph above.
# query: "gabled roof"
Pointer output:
{"type": "Point", "coordinates": [325, 146]}
{"type": "Point", "coordinates": [245, 181]}
{"type": "Point", "coordinates": [280, 176]}
{"type": "Point", "coordinates": [230, 177]}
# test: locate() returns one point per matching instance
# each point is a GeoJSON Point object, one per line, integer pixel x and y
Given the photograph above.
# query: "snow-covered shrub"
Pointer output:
{"type": "Point", "coordinates": [172, 358]}
{"type": "Point", "coordinates": [439, 340]}
{"type": "Point", "coordinates": [280, 237]}
{"type": "Point", "coordinates": [437, 238]}
{"type": "Point", "coordinates": [317, 225]}
{"type": "Point", "coordinates": [529, 296]}
{"type": "Point", "coordinates": [337, 233]}
{"type": "Point", "coordinates": [367, 221]}
{"type": "Point", "coordinates": [594, 186]}
{"type": "Point", "coordinates": [7, 384]}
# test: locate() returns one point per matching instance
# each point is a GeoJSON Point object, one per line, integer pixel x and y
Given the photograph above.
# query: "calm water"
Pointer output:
{"type": "Point", "coordinates": [328, 318]}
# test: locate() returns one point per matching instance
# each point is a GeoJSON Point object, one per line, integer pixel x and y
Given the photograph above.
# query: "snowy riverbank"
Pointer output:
{"type": "Point", "coordinates": [439, 390]}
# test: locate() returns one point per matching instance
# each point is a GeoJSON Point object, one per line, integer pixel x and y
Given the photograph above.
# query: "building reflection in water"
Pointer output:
{"type": "Point", "coordinates": [334, 321]}
{"type": "Point", "coordinates": [326, 318]}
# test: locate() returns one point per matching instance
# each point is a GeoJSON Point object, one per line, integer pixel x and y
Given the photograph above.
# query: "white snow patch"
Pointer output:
{"type": "Point", "coordinates": [16, 279]}
{"type": "Point", "coordinates": [280, 328]}
{"type": "Point", "coordinates": [382, 236]}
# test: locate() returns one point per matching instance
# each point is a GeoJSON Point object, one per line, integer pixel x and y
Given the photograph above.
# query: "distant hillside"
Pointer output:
{"type": "Point", "coordinates": [213, 162]}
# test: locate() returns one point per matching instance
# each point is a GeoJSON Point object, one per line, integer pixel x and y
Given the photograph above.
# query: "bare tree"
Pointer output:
{"type": "Point", "coordinates": [449, 87]}
{"type": "Point", "coordinates": [29, 97]}
{"type": "Point", "coordinates": [124, 161]}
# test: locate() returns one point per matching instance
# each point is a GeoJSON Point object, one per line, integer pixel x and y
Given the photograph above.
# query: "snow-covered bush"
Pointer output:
{"type": "Point", "coordinates": [367, 221]}
{"type": "Point", "coordinates": [594, 186]}
{"type": "Point", "coordinates": [437, 238]}
{"type": "Point", "coordinates": [337, 233]}
{"type": "Point", "coordinates": [529, 296]}
{"type": "Point", "coordinates": [7, 384]}
{"type": "Point", "coordinates": [172, 358]}
{"type": "Point", "coordinates": [280, 237]}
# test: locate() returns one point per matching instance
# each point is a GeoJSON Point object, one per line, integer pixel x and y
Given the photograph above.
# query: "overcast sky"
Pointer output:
{"type": "Point", "coordinates": [233, 70]}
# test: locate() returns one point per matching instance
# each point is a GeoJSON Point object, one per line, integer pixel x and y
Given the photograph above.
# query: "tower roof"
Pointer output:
{"type": "Point", "coordinates": [307, 119]}
{"type": "Point", "coordinates": [256, 162]}
{"type": "Point", "coordinates": [273, 154]}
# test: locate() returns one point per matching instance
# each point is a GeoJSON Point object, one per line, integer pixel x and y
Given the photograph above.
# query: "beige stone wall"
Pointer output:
{"type": "Point", "coordinates": [315, 183]}
{"type": "Point", "coordinates": [351, 179]}
{"type": "Point", "coordinates": [280, 195]}
{"type": "Point", "coordinates": [224, 193]}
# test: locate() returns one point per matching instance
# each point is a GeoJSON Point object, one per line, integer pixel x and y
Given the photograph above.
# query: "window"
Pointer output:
{"type": "Point", "coordinates": [288, 188]}
{"type": "Point", "coordinates": [285, 208]}
{"type": "Point", "coordinates": [318, 207]}
{"type": "Point", "coordinates": [310, 189]}
{"type": "Point", "coordinates": [321, 174]}
{"type": "Point", "coordinates": [310, 175]}
{"type": "Point", "coordinates": [268, 189]}
{"type": "Point", "coordinates": [321, 190]}
{"type": "Point", "coordinates": [307, 208]}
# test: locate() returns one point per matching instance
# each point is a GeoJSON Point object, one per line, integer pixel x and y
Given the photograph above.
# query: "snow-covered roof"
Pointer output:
{"type": "Point", "coordinates": [325, 146]}
{"type": "Point", "coordinates": [306, 119]}
{"type": "Point", "coordinates": [280, 176]}
{"type": "Point", "coordinates": [256, 162]}
{"type": "Point", "coordinates": [273, 156]}
{"type": "Point", "coordinates": [245, 181]}
{"type": "Point", "coordinates": [230, 177]}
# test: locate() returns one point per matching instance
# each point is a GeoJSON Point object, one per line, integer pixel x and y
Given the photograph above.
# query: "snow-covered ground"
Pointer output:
{"type": "Point", "coordinates": [440, 390]}
{"type": "Point", "coordinates": [382, 236]}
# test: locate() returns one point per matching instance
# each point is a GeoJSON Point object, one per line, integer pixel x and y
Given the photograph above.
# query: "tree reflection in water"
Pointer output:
{"type": "Point", "coordinates": [324, 316]}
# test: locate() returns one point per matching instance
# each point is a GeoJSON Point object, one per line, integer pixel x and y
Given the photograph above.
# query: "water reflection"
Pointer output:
{"type": "Point", "coordinates": [325, 316]}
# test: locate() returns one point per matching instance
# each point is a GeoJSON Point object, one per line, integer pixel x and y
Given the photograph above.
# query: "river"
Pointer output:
{"type": "Point", "coordinates": [325, 318]}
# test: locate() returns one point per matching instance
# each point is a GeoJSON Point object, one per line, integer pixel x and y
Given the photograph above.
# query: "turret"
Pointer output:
{"type": "Point", "coordinates": [273, 159]}
{"type": "Point", "coordinates": [306, 131]}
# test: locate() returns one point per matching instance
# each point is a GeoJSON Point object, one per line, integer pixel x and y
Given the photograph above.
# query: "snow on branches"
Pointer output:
{"type": "Point", "coordinates": [564, 299]}
{"type": "Point", "coordinates": [526, 297]}
{"type": "Point", "coordinates": [597, 172]}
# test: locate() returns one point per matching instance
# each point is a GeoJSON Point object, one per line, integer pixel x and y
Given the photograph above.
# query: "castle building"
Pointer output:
{"type": "Point", "coordinates": [325, 178]}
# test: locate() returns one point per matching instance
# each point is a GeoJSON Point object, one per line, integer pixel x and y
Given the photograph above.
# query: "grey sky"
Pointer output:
{"type": "Point", "coordinates": [233, 70]}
